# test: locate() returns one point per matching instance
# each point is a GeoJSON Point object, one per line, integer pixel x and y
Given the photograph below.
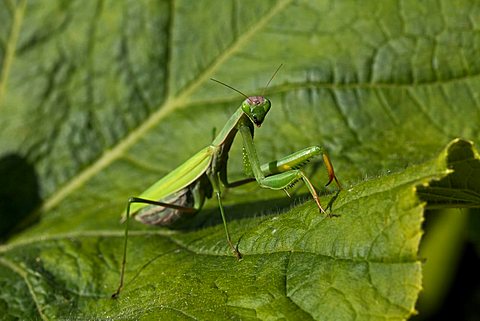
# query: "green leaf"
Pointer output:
{"type": "Point", "coordinates": [101, 99]}
{"type": "Point", "coordinates": [298, 264]}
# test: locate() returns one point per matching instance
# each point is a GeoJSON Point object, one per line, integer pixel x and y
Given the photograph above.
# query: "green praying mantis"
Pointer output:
{"type": "Point", "coordinates": [183, 191]}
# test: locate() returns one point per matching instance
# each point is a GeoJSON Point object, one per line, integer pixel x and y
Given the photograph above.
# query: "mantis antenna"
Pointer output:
{"type": "Point", "coordinates": [238, 91]}
{"type": "Point", "coordinates": [228, 86]}
{"type": "Point", "coordinates": [271, 78]}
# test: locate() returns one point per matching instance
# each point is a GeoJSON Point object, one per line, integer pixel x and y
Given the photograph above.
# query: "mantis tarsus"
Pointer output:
{"type": "Point", "coordinates": [183, 190]}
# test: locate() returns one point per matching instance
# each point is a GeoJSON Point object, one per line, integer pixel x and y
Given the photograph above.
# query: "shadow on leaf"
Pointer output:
{"type": "Point", "coordinates": [19, 192]}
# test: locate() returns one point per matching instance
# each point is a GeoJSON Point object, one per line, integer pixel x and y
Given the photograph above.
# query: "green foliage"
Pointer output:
{"type": "Point", "coordinates": [100, 99]}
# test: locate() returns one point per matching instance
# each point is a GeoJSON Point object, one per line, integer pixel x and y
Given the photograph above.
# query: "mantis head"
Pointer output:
{"type": "Point", "coordinates": [256, 108]}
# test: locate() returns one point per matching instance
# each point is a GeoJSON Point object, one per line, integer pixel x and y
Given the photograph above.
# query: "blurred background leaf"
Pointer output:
{"type": "Point", "coordinates": [99, 99]}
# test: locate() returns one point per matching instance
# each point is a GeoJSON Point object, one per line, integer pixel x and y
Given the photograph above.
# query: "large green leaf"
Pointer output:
{"type": "Point", "coordinates": [100, 99]}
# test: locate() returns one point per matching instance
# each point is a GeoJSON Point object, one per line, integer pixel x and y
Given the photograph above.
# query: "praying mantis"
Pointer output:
{"type": "Point", "coordinates": [183, 191]}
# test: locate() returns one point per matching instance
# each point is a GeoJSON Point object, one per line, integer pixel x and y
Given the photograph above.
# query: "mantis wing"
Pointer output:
{"type": "Point", "coordinates": [177, 179]}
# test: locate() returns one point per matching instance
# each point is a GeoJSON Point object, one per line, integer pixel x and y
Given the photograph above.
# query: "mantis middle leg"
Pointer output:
{"type": "Point", "coordinates": [215, 180]}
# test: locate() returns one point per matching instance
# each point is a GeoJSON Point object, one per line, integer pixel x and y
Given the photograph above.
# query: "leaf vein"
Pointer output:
{"type": "Point", "coordinates": [23, 274]}
{"type": "Point", "coordinates": [11, 46]}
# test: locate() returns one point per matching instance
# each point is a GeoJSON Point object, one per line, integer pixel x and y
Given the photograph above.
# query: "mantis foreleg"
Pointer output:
{"type": "Point", "coordinates": [293, 161]}
{"type": "Point", "coordinates": [283, 172]}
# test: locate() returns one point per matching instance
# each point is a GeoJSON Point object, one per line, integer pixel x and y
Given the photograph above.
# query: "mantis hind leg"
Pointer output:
{"type": "Point", "coordinates": [127, 221]}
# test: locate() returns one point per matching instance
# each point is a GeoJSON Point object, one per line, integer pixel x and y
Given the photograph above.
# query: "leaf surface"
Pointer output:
{"type": "Point", "coordinates": [101, 99]}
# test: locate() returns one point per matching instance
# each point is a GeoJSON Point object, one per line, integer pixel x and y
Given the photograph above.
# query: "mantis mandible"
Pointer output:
{"type": "Point", "coordinates": [184, 190]}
